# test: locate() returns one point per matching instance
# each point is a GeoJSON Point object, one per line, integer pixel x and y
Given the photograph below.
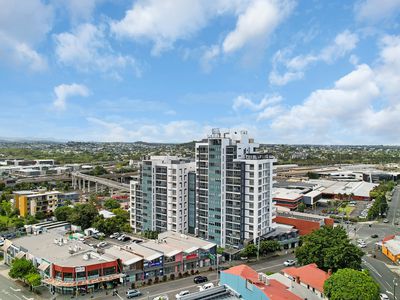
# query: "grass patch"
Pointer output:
{"type": "Point", "coordinates": [346, 210]}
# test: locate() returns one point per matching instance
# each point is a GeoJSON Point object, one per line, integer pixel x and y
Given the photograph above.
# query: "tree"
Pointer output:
{"type": "Point", "coordinates": [3, 226]}
{"type": "Point", "coordinates": [40, 215]}
{"type": "Point", "coordinates": [351, 284]}
{"type": "Point", "coordinates": [269, 246]}
{"type": "Point", "coordinates": [301, 207]}
{"type": "Point", "coordinates": [5, 208]}
{"type": "Point", "coordinates": [33, 279]}
{"type": "Point", "coordinates": [63, 213]}
{"type": "Point", "coordinates": [83, 215]}
{"type": "Point", "coordinates": [121, 213]}
{"type": "Point", "coordinates": [330, 248]}
{"type": "Point", "coordinates": [249, 251]}
{"type": "Point", "coordinates": [111, 204]}
{"type": "Point", "coordinates": [20, 268]}
{"type": "Point", "coordinates": [98, 170]}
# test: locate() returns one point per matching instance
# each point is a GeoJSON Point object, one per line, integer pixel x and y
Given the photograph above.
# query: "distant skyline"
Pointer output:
{"type": "Point", "coordinates": [294, 72]}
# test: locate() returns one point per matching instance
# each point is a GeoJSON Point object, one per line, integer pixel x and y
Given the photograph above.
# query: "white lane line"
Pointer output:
{"type": "Point", "coordinates": [269, 267]}
{"type": "Point", "coordinates": [372, 268]}
{"type": "Point", "coordinates": [26, 298]}
{"type": "Point", "coordinates": [16, 296]}
{"type": "Point", "coordinates": [15, 290]}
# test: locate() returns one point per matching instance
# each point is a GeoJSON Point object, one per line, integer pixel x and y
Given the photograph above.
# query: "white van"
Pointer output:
{"type": "Point", "coordinates": [206, 286]}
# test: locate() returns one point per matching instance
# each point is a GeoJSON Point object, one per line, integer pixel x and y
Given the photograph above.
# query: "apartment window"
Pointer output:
{"type": "Point", "coordinates": [251, 167]}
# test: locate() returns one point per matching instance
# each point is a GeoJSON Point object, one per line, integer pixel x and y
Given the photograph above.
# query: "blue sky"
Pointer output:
{"type": "Point", "coordinates": [323, 72]}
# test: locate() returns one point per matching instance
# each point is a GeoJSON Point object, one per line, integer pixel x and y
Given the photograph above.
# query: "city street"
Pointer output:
{"type": "Point", "coordinates": [171, 288]}
{"type": "Point", "coordinates": [383, 275]}
{"type": "Point", "coordinates": [11, 290]}
{"type": "Point", "coordinates": [394, 207]}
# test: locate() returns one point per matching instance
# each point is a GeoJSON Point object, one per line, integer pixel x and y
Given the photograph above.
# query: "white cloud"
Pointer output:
{"type": "Point", "coordinates": [376, 10]}
{"type": "Point", "coordinates": [175, 131]}
{"type": "Point", "coordinates": [87, 49]}
{"type": "Point", "coordinates": [361, 106]}
{"type": "Point", "coordinates": [256, 23]}
{"type": "Point", "coordinates": [65, 91]}
{"type": "Point", "coordinates": [245, 102]}
{"type": "Point", "coordinates": [208, 57]}
{"type": "Point", "coordinates": [165, 22]}
{"type": "Point", "coordinates": [80, 11]}
{"type": "Point", "coordinates": [293, 68]}
{"type": "Point", "coordinates": [24, 25]}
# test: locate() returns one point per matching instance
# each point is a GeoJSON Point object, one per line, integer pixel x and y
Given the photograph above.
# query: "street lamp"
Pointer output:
{"type": "Point", "coordinates": [394, 287]}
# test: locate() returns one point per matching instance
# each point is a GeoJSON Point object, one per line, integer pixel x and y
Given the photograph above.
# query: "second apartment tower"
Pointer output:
{"type": "Point", "coordinates": [233, 189]}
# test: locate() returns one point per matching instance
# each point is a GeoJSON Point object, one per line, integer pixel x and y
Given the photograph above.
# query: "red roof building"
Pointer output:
{"type": "Point", "coordinates": [252, 285]}
{"type": "Point", "coordinates": [309, 276]}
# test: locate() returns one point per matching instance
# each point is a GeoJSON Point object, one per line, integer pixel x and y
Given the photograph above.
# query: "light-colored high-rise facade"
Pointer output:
{"type": "Point", "coordinates": [233, 189]}
{"type": "Point", "coordinates": [159, 196]}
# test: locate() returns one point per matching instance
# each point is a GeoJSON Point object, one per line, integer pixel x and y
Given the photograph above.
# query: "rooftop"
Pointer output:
{"type": "Point", "coordinates": [56, 247]}
{"type": "Point", "coordinates": [273, 289]}
{"type": "Point", "coordinates": [392, 243]}
{"type": "Point", "coordinates": [308, 274]}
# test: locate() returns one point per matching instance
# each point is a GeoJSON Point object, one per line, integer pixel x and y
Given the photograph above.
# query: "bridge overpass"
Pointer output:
{"type": "Point", "coordinates": [85, 182]}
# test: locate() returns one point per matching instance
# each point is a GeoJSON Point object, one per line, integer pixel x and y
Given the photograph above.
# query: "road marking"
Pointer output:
{"type": "Point", "coordinates": [15, 290]}
{"type": "Point", "coordinates": [26, 298]}
{"type": "Point", "coordinates": [17, 296]}
{"type": "Point", "coordinates": [371, 267]}
{"type": "Point", "coordinates": [269, 267]}
{"type": "Point", "coordinates": [120, 297]}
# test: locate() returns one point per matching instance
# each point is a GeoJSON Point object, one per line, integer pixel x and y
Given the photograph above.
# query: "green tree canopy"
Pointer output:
{"type": "Point", "coordinates": [83, 215]}
{"type": "Point", "coordinates": [111, 204]}
{"type": "Point", "coordinates": [33, 279]}
{"type": "Point", "coordinates": [269, 246]}
{"type": "Point", "coordinates": [249, 251]}
{"type": "Point", "coordinates": [351, 284]}
{"type": "Point", "coordinates": [330, 248]}
{"type": "Point", "coordinates": [63, 213]}
{"type": "Point", "coordinates": [20, 268]}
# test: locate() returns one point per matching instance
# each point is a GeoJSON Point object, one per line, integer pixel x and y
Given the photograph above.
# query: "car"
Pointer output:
{"type": "Point", "coordinates": [114, 235]}
{"type": "Point", "coordinates": [126, 239]}
{"type": "Point", "coordinates": [181, 294]}
{"type": "Point", "coordinates": [102, 244]}
{"type": "Point", "coordinates": [206, 286]}
{"type": "Point", "coordinates": [374, 236]}
{"type": "Point", "coordinates": [163, 297]}
{"type": "Point", "coordinates": [362, 245]}
{"type": "Point", "coordinates": [133, 293]}
{"type": "Point", "coordinates": [200, 279]}
{"type": "Point", "coordinates": [385, 221]}
{"type": "Point", "coordinates": [383, 296]}
{"type": "Point", "coordinates": [289, 262]}
{"type": "Point", "coordinates": [121, 237]}
{"type": "Point", "coordinates": [360, 241]}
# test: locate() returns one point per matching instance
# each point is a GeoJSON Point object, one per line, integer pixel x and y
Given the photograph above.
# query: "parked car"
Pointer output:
{"type": "Point", "coordinates": [200, 279]}
{"type": "Point", "coordinates": [289, 263]}
{"type": "Point", "coordinates": [102, 244]}
{"type": "Point", "coordinates": [163, 297]}
{"type": "Point", "coordinates": [374, 236]}
{"type": "Point", "coordinates": [126, 239]}
{"type": "Point", "coordinates": [362, 245]}
{"type": "Point", "coordinates": [133, 293]}
{"type": "Point", "coordinates": [206, 286]}
{"type": "Point", "coordinates": [385, 221]}
{"type": "Point", "coordinates": [114, 235]}
{"type": "Point", "coordinates": [383, 296]}
{"type": "Point", "coordinates": [121, 237]}
{"type": "Point", "coordinates": [181, 294]}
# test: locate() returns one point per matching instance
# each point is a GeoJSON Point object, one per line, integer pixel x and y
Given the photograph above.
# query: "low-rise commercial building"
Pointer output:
{"type": "Point", "coordinates": [391, 247]}
{"type": "Point", "coordinates": [309, 277]}
{"type": "Point", "coordinates": [249, 284]}
{"type": "Point", "coordinates": [65, 264]}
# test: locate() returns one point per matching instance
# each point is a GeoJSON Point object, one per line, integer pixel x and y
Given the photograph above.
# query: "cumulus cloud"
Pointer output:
{"type": "Point", "coordinates": [65, 91]}
{"type": "Point", "coordinates": [165, 22]}
{"type": "Point", "coordinates": [376, 10]}
{"type": "Point", "coordinates": [267, 108]}
{"type": "Point", "coordinates": [87, 49]}
{"type": "Point", "coordinates": [293, 68]}
{"type": "Point", "coordinates": [175, 131]}
{"type": "Point", "coordinates": [256, 23]}
{"type": "Point", "coordinates": [21, 31]}
{"type": "Point", "coordinates": [80, 11]}
{"type": "Point", "coordinates": [363, 105]}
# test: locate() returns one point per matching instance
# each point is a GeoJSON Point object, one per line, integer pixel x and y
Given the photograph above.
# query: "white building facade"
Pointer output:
{"type": "Point", "coordinates": [233, 189]}
{"type": "Point", "coordinates": [159, 197]}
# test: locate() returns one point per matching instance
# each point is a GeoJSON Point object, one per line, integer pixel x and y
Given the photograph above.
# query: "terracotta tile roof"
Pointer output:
{"type": "Point", "coordinates": [274, 290]}
{"type": "Point", "coordinates": [309, 274]}
{"type": "Point", "coordinates": [389, 237]}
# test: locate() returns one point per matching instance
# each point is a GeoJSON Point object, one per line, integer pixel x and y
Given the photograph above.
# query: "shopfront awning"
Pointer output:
{"type": "Point", "coordinates": [43, 266]}
{"type": "Point", "coordinates": [60, 283]}
{"type": "Point", "coordinates": [7, 244]}
{"type": "Point", "coordinates": [20, 254]}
